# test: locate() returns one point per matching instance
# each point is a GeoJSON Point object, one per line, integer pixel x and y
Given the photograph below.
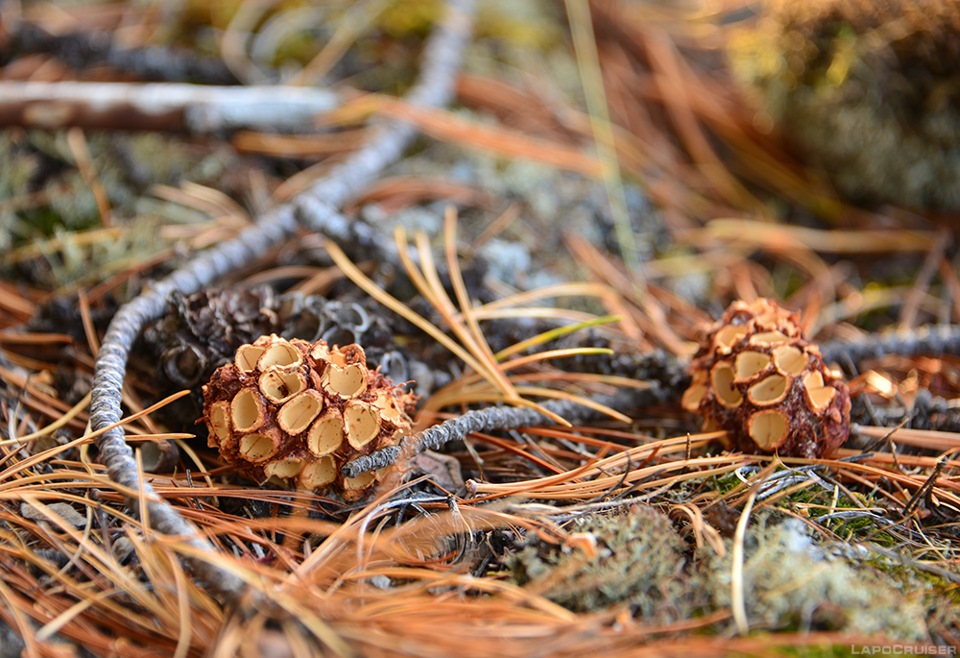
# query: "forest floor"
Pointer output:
{"type": "Point", "coordinates": [564, 232]}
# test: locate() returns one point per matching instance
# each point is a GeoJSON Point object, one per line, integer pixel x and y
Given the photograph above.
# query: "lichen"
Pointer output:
{"type": "Point", "coordinates": [864, 90]}
{"type": "Point", "coordinates": [639, 563]}
{"type": "Point", "coordinates": [792, 582]}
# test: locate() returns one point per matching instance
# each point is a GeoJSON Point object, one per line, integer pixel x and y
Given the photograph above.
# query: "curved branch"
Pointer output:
{"type": "Point", "coordinates": [667, 378]}
{"type": "Point", "coordinates": [317, 207]}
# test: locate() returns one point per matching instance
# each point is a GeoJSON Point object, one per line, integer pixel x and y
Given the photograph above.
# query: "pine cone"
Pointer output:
{"type": "Point", "coordinates": [758, 378]}
{"type": "Point", "coordinates": [293, 412]}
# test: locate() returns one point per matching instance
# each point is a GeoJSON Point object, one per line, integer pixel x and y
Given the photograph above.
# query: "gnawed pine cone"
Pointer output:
{"type": "Point", "coordinates": [293, 412]}
{"type": "Point", "coordinates": [758, 378]}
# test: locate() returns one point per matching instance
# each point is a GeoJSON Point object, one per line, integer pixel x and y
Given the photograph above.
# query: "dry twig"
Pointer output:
{"type": "Point", "coordinates": [87, 49]}
{"type": "Point", "coordinates": [160, 106]}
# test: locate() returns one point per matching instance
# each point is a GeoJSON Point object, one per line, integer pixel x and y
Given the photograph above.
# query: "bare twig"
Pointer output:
{"type": "Point", "coordinates": [924, 491]}
{"type": "Point", "coordinates": [477, 420]}
{"type": "Point", "coordinates": [318, 207]}
{"type": "Point", "coordinates": [911, 305]}
{"type": "Point", "coordinates": [160, 106]}
{"type": "Point", "coordinates": [666, 376]}
{"type": "Point", "coordinates": [497, 418]}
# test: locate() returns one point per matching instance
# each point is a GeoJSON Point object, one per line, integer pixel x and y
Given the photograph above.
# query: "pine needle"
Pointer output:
{"type": "Point", "coordinates": [554, 334]}
{"type": "Point", "coordinates": [353, 273]}
{"type": "Point", "coordinates": [581, 27]}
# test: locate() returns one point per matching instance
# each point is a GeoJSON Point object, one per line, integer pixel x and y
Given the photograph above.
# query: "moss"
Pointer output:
{"type": "Point", "coordinates": [532, 24]}
{"type": "Point", "coordinates": [877, 114]}
{"type": "Point", "coordinates": [414, 17]}
{"type": "Point", "coordinates": [791, 582]}
{"type": "Point", "coordinates": [26, 170]}
{"type": "Point", "coordinates": [937, 595]}
{"type": "Point", "coordinates": [727, 483]}
{"type": "Point", "coordinates": [162, 160]}
{"type": "Point", "coordinates": [860, 529]}
{"type": "Point", "coordinates": [819, 651]}
{"type": "Point", "coordinates": [47, 198]}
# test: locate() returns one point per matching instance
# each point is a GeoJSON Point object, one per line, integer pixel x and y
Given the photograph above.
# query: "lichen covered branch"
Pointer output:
{"type": "Point", "coordinates": [86, 49]}
{"type": "Point", "coordinates": [494, 418]}
{"type": "Point", "coordinates": [667, 379]}
{"type": "Point", "coordinates": [318, 208]}
{"type": "Point", "coordinates": [160, 106]}
{"type": "Point", "coordinates": [930, 340]}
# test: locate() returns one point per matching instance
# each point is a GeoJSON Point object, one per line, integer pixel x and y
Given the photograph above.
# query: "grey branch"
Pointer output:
{"type": "Point", "coordinates": [499, 418]}
{"type": "Point", "coordinates": [160, 106]}
{"type": "Point", "coordinates": [441, 62]}
{"type": "Point", "coordinates": [930, 340]}
{"type": "Point", "coordinates": [477, 420]}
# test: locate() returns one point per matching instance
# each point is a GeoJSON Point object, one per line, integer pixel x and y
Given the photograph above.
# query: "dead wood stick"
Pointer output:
{"type": "Point", "coordinates": [928, 340]}
{"type": "Point", "coordinates": [160, 106]}
{"type": "Point", "coordinates": [667, 379]}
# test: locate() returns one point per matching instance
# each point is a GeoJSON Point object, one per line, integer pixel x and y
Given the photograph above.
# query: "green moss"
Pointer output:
{"type": "Point", "coordinates": [299, 47]}
{"type": "Point", "coordinates": [937, 595]}
{"type": "Point", "coordinates": [531, 24]}
{"type": "Point", "coordinates": [878, 116]}
{"type": "Point", "coordinates": [791, 583]}
{"type": "Point", "coordinates": [23, 214]}
{"type": "Point", "coordinates": [46, 198]}
{"type": "Point", "coordinates": [787, 280]}
{"type": "Point", "coordinates": [858, 529]}
{"type": "Point", "coordinates": [411, 17]}
{"type": "Point", "coordinates": [727, 483]}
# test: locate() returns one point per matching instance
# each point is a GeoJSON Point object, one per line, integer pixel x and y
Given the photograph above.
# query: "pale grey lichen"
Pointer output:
{"type": "Point", "coordinates": [792, 582]}
{"type": "Point", "coordinates": [639, 563]}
